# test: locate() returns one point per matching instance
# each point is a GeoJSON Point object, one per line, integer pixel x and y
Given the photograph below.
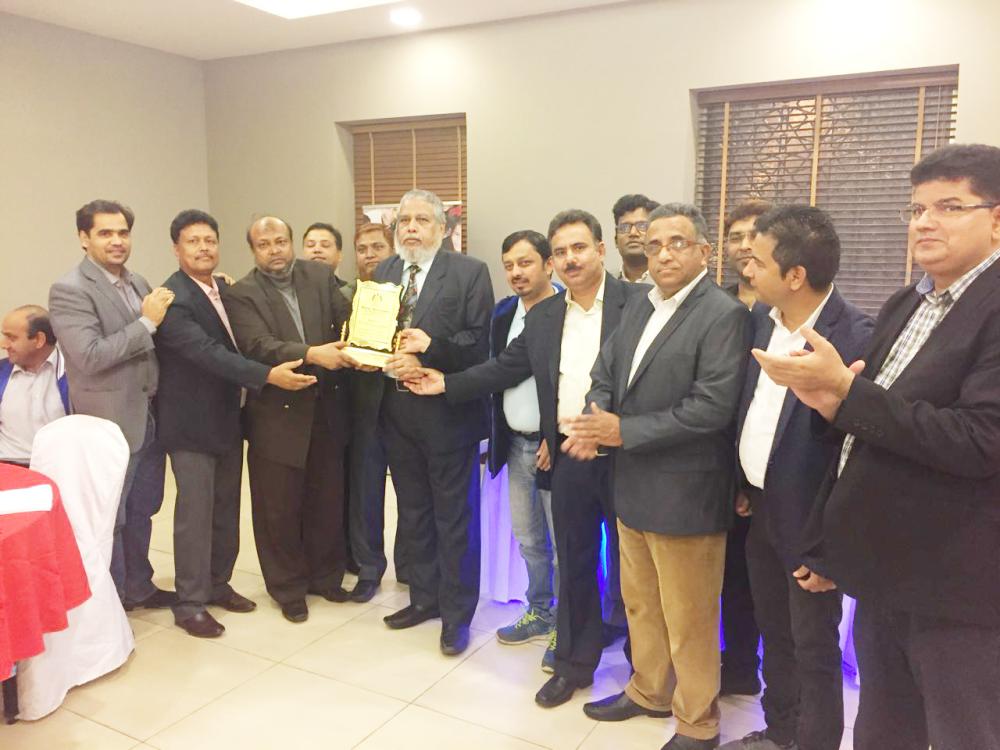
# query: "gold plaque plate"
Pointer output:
{"type": "Point", "coordinates": [371, 331]}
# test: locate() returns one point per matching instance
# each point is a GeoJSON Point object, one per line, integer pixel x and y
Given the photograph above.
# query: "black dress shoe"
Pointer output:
{"type": "Point", "coordinates": [202, 625]}
{"type": "Point", "coordinates": [331, 593]}
{"type": "Point", "coordinates": [296, 611]}
{"type": "Point", "coordinates": [234, 602]}
{"type": "Point", "coordinates": [454, 639]}
{"type": "Point", "coordinates": [364, 591]}
{"type": "Point", "coordinates": [681, 742]}
{"type": "Point", "coordinates": [556, 691]}
{"type": "Point", "coordinates": [619, 708]}
{"type": "Point", "coordinates": [159, 599]}
{"type": "Point", "coordinates": [407, 617]}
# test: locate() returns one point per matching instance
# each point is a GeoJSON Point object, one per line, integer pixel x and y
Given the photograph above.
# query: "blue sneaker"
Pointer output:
{"type": "Point", "coordinates": [531, 627]}
{"type": "Point", "coordinates": [549, 657]}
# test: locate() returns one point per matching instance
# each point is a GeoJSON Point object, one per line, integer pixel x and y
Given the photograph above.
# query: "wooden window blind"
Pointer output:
{"type": "Point", "coordinates": [844, 144]}
{"type": "Point", "coordinates": [393, 156]}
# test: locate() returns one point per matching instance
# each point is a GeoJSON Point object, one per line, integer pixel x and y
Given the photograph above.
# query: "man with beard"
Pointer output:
{"type": "Point", "coordinates": [282, 311]}
{"type": "Point", "coordinates": [433, 446]}
{"type": "Point", "coordinates": [631, 214]}
{"type": "Point", "coordinates": [740, 633]}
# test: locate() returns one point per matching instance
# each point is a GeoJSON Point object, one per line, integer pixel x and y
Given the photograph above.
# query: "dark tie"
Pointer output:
{"type": "Point", "coordinates": [409, 298]}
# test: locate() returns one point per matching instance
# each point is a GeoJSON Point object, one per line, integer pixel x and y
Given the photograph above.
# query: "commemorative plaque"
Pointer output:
{"type": "Point", "coordinates": [372, 329]}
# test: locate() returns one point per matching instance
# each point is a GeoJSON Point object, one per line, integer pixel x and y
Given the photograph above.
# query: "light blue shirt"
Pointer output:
{"type": "Point", "coordinates": [520, 403]}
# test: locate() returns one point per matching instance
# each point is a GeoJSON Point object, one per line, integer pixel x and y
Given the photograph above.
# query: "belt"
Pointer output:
{"type": "Point", "coordinates": [528, 435]}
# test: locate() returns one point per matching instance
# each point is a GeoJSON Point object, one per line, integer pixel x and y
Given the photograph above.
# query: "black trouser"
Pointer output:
{"type": "Point", "coordinates": [298, 516]}
{"type": "Point", "coordinates": [925, 681]}
{"type": "Point", "coordinates": [437, 496]}
{"type": "Point", "coordinates": [739, 628]}
{"type": "Point", "coordinates": [581, 499]}
{"type": "Point", "coordinates": [804, 697]}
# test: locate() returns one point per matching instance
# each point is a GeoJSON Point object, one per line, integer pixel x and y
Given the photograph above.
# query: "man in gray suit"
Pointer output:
{"type": "Point", "coordinates": [104, 317]}
{"type": "Point", "coordinates": [664, 395]}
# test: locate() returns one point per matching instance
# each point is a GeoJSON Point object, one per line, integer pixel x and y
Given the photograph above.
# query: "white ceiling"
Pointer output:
{"type": "Point", "coordinates": [212, 29]}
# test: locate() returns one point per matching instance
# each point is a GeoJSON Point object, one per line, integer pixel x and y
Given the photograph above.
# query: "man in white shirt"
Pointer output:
{"type": "Point", "coordinates": [33, 390]}
{"type": "Point", "coordinates": [795, 255]}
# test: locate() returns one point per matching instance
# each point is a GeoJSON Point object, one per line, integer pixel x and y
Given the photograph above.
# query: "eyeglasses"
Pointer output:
{"type": "Point", "coordinates": [736, 238]}
{"type": "Point", "coordinates": [627, 226]}
{"type": "Point", "coordinates": [676, 245]}
{"type": "Point", "coordinates": [940, 210]}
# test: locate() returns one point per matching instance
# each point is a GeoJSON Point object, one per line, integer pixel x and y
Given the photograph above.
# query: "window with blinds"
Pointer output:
{"type": "Point", "coordinates": [393, 156]}
{"type": "Point", "coordinates": [844, 144]}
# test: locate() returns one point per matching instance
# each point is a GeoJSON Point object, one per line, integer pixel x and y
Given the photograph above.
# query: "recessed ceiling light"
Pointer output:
{"type": "Point", "coordinates": [305, 8]}
{"type": "Point", "coordinates": [405, 16]}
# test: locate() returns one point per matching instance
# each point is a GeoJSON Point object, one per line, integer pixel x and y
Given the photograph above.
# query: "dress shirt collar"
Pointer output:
{"type": "Point", "coordinates": [810, 322]}
{"type": "Point", "coordinates": [925, 287]}
{"type": "Point", "coordinates": [643, 279]}
{"type": "Point", "coordinates": [205, 287]}
{"type": "Point", "coordinates": [425, 265]}
{"type": "Point", "coordinates": [52, 359]}
{"type": "Point", "coordinates": [599, 299]}
{"type": "Point", "coordinates": [656, 295]}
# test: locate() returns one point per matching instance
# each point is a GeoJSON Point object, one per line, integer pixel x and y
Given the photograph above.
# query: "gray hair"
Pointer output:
{"type": "Point", "coordinates": [690, 212]}
{"type": "Point", "coordinates": [428, 197]}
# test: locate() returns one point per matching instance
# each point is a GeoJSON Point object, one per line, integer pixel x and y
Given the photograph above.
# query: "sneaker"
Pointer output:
{"type": "Point", "coordinates": [758, 741]}
{"type": "Point", "coordinates": [531, 627]}
{"type": "Point", "coordinates": [549, 657]}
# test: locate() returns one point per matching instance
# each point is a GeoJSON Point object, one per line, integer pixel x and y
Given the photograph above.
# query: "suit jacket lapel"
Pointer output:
{"type": "Point", "coordinates": [432, 286]}
{"type": "Point", "coordinates": [762, 337]}
{"type": "Point", "coordinates": [555, 320]}
{"type": "Point", "coordinates": [310, 306]}
{"type": "Point", "coordinates": [275, 304]}
{"type": "Point", "coordinates": [89, 269]}
{"type": "Point", "coordinates": [880, 345]}
{"type": "Point", "coordinates": [629, 341]}
{"type": "Point", "coordinates": [205, 311]}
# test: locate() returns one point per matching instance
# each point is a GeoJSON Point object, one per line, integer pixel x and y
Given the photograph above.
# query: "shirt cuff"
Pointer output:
{"type": "Point", "coordinates": [150, 325]}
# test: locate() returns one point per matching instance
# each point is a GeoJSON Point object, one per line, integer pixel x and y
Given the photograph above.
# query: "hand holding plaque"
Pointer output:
{"type": "Point", "coordinates": [371, 332]}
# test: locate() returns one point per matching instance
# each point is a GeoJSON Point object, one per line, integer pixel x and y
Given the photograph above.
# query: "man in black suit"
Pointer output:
{"type": "Point", "coordinates": [665, 391]}
{"type": "Point", "coordinates": [433, 447]}
{"type": "Point", "coordinates": [198, 413]}
{"type": "Point", "coordinates": [286, 310]}
{"type": "Point", "coordinates": [910, 525]}
{"type": "Point", "coordinates": [561, 338]}
{"type": "Point", "coordinates": [795, 254]}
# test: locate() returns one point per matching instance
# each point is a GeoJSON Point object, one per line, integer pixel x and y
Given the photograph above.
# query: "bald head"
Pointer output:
{"type": "Point", "coordinates": [26, 336]}
{"type": "Point", "coordinates": [270, 239]}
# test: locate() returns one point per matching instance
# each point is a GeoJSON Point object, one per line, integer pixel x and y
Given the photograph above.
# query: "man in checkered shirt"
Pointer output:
{"type": "Point", "coordinates": [911, 511]}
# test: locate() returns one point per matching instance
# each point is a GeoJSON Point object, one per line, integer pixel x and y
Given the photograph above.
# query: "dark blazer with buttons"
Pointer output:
{"type": "Point", "coordinates": [799, 458]}
{"type": "Point", "coordinates": [503, 316]}
{"type": "Point", "coordinates": [536, 352]}
{"type": "Point", "coordinates": [454, 309]}
{"type": "Point", "coordinates": [279, 422]}
{"type": "Point", "coordinates": [913, 522]}
{"type": "Point", "coordinates": [201, 373]}
{"type": "Point", "coordinates": [673, 473]}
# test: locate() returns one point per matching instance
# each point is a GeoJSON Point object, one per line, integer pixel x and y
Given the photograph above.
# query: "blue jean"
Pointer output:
{"type": "Point", "coordinates": [531, 520]}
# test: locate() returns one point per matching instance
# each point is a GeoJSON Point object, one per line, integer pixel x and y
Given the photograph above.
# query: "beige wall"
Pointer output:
{"type": "Point", "coordinates": [84, 117]}
{"type": "Point", "coordinates": [565, 110]}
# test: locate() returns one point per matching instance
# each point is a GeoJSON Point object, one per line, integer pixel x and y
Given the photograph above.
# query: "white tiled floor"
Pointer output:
{"type": "Point", "coordinates": [341, 680]}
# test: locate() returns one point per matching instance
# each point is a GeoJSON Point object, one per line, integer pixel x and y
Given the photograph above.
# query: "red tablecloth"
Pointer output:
{"type": "Point", "coordinates": [41, 574]}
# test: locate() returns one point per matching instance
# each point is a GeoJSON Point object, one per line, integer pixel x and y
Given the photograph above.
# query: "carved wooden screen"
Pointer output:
{"type": "Point", "coordinates": [845, 144]}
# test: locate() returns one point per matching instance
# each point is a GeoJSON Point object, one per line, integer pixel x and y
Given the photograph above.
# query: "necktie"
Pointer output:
{"type": "Point", "coordinates": [409, 298]}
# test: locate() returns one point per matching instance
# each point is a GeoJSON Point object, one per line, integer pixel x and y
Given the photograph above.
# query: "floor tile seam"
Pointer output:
{"type": "Point", "coordinates": [92, 720]}
{"type": "Point", "coordinates": [587, 735]}
{"type": "Point", "coordinates": [439, 712]}
{"type": "Point", "coordinates": [345, 683]}
{"type": "Point", "coordinates": [458, 662]}
{"type": "Point", "coordinates": [380, 726]}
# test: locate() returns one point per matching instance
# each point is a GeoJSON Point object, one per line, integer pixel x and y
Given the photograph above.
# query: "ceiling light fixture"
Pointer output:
{"type": "Point", "coordinates": [292, 9]}
{"type": "Point", "coordinates": [409, 17]}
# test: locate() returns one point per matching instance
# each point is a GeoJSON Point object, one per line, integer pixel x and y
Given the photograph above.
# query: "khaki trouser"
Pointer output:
{"type": "Point", "coordinates": [671, 586]}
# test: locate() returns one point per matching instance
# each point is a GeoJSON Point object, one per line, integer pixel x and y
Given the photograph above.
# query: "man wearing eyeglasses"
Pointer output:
{"type": "Point", "coordinates": [664, 396]}
{"type": "Point", "coordinates": [631, 213]}
{"type": "Point", "coordinates": [285, 310]}
{"type": "Point", "coordinates": [910, 522]}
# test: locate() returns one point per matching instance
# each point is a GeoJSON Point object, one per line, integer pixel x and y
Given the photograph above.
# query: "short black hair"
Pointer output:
{"type": "Point", "coordinates": [689, 211]}
{"type": "Point", "coordinates": [85, 213]}
{"type": "Point", "coordinates": [804, 236]}
{"type": "Point", "coordinates": [268, 216]}
{"type": "Point", "coordinates": [38, 321]}
{"type": "Point", "coordinates": [632, 202]}
{"type": "Point", "coordinates": [329, 228]}
{"type": "Point", "coordinates": [748, 209]}
{"type": "Point", "coordinates": [188, 217]}
{"type": "Point", "coordinates": [535, 239]}
{"type": "Point", "coordinates": [978, 164]}
{"type": "Point", "coordinates": [575, 216]}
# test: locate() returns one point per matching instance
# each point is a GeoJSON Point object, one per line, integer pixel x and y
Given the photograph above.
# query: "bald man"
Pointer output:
{"type": "Point", "coordinates": [285, 310]}
{"type": "Point", "coordinates": [33, 390]}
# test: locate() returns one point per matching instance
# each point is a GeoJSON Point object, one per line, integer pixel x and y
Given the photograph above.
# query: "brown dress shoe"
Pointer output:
{"type": "Point", "coordinates": [234, 602]}
{"type": "Point", "coordinates": [202, 625]}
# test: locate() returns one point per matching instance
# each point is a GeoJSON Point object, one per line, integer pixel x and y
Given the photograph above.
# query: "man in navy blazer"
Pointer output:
{"type": "Point", "coordinates": [202, 375]}
{"type": "Point", "coordinates": [795, 255]}
{"type": "Point", "coordinates": [910, 515]}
